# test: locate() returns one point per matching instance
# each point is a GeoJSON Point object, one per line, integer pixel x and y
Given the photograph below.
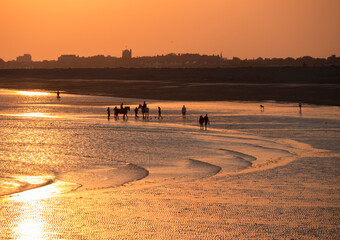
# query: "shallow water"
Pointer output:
{"type": "Point", "coordinates": [60, 145]}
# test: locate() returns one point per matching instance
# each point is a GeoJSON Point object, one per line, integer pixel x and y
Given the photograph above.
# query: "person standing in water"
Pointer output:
{"type": "Point", "coordinates": [201, 121]}
{"type": "Point", "coordinates": [136, 112]}
{"type": "Point", "coordinates": [184, 111]}
{"type": "Point", "coordinates": [160, 113]}
{"type": "Point", "coordinates": [300, 105]}
{"type": "Point", "coordinates": [206, 121]}
{"type": "Point", "coordinates": [108, 113]}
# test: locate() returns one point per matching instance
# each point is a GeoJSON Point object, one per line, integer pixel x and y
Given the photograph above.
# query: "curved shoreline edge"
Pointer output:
{"type": "Point", "coordinates": [28, 187]}
{"type": "Point", "coordinates": [72, 185]}
{"type": "Point", "coordinates": [214, 169]}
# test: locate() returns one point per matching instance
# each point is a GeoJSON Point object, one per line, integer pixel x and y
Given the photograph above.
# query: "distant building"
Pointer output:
{"type": "Point", "coordinates": [127, 54]}
{"type": "Point", "coordinates": [69, 61]}
{"type": "Point", "coordinates": [26, 58]}
{"type": "Point", "coordinates": [67, 58]}
{"type": "Point", "coordinates": [332, 57]}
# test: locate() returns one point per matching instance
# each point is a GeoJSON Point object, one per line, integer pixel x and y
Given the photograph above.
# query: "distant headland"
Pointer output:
{"type": "Point", "coordinates": [172, 60]}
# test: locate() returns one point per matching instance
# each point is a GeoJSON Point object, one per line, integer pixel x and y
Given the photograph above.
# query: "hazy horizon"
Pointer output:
{"type": "Point", "coordinates": [244, 29]}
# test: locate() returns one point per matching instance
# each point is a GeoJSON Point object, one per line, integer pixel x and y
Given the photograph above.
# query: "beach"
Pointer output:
{"type": "Point", "coordinates": [312, 85]}
{"type": "Point", "coordinates": [73, 174]}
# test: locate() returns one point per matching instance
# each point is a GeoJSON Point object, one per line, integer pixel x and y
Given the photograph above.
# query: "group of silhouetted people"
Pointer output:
{"type": "Point", "coordinates": [145, 110]}
{"type": "Point", "coordinates": [122, 110]}
{"type": "Point", "coordinates": [204, 121]}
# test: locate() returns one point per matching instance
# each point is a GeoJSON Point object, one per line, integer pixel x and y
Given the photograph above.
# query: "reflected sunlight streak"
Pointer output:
{"type": "Point", "coordinates": [29, 93]}
{"type": "Point", "coordinates": [39, 115]}
{"type": "Point", "coordinates": [30, 228]}
{"type": "Point", "coordinates": [54, 189]}
{"type": "Point", "coordinates": [31, 222]}
{"type": "Point", "coordinates": [37, 193]}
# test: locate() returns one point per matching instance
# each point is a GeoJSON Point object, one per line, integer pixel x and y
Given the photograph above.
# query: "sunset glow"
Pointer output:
{"type": "Point", "coordinates": [242, 28]}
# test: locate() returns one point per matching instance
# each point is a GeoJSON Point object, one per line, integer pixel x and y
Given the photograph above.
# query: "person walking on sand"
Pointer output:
{"type": "Point", "coordinates": [136, 112]}
{"type": "Point", "coordinates": [300, 105]}
{"type": "Point", "coordinates": [206, 121]}
{"type": "Point", "coordinates": [184, 110]}
{"type": "Point", "coordinates": [160, 113]}
{"type": "Point", "coordinates": [201, 121]}
{"type": "Point", "coordinates": [108, 113]}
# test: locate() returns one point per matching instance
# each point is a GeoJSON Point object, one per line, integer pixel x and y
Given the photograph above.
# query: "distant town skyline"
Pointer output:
{"type": "Point", "coordinates": [165, 61]}
{"type": "Point", "coordinates": [238, 28]}
{"type": "Point", "coordinates": [127, 54]}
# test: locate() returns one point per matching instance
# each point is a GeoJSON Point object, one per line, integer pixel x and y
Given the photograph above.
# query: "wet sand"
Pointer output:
{"type": "Point", "coordinates": [296, 199]}
{"type": "Point", "coordinates": [314, 85]}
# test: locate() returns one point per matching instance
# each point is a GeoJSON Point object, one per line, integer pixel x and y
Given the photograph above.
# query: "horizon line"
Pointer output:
{"type": "Point", "coordinates": [177, 54]}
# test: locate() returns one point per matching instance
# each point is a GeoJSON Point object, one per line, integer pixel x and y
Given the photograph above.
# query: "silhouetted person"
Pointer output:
{"type": "Point", "coordinates": [300, 105]}
{"type": "Point", "coordinates": [108, 113]}
{"type": "Point", "coordinates": [145, 110]}
{"type": "Point", "coordinates": [121, 106]}
{"type": "Point", "coordinates": [201, 121]}
{"type": "Point", "coordinates": [58, 94]}
{"type": "Point", "coordinates": [160, 113]}
{"type": "Point", "coordinates": [136, 112]}
{"type": "Point", "coordinates": [184, 111]}
{"type": "Point", "coordinates": [206, 121]}
{"type": "Point", "coordinates": [116, 112]}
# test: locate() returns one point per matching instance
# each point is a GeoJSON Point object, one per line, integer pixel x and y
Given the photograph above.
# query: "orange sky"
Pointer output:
{"type": "Point", "coordinates": [243, 28]}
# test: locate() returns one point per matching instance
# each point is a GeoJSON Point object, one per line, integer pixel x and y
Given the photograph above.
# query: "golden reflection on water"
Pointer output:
{"type": "Point", "coordinates": [47, 191]}
{"type": "Point", "coordinates": [29, 93]}
{"type": "Point", "coordinates": [33, 179]}
{"type": "Point", "coordinates": [36, 114]}
{"type": "Point", "coordinates": [32, 223]}
{"type": "Point", "coordinates": [30, 227]}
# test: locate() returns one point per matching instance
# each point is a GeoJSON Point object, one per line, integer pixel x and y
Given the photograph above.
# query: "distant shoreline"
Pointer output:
{"type": "Point", "coordinates": [313, 85]}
